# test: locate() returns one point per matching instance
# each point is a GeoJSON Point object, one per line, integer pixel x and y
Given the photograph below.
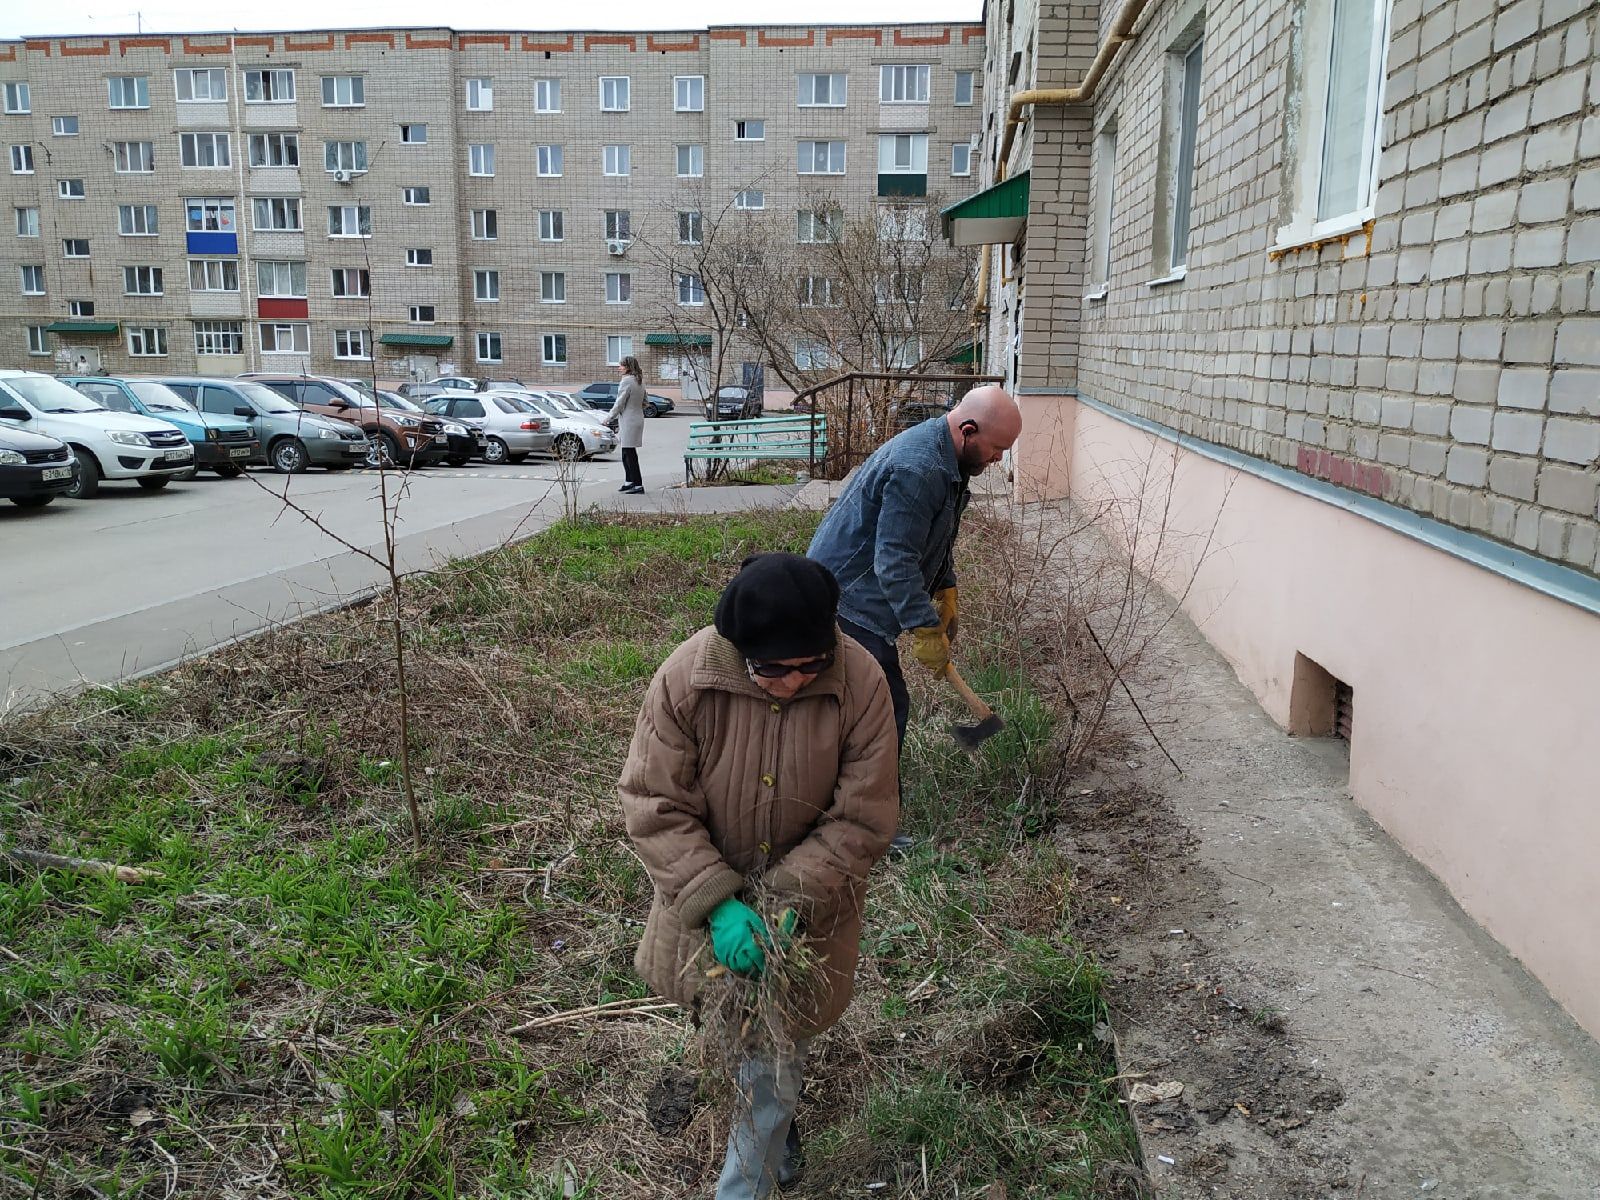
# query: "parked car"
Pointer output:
{"type": "Point", "coordinates": [514, 430]}
{"type": "Point", "coordinates": [222, 443]}
{"type": "Point", "coordinates": [107, 445]}
{"type": "Point", "coordinates": [464, 441]}
{"type": "Point", "coordinates": [397, 437]}
{"type": "Point", "coordinates": [34, 468]}
{"type": "Point", "coordinates": [734, 403]}
{"type": "Point", "coordinates": [602, 396]}
{"type": "Point", "coordinates": [288, 438]}
{"type": "Point", "coordinates": [574, 435]}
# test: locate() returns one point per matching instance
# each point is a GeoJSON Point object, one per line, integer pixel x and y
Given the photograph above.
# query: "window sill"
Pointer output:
{"type": "Point", "coordinates": [1099, 294]}
{"type": "Point", "coordinates": [1175, 276]}
{"type": "Point", "coordinates": [1298, 237]}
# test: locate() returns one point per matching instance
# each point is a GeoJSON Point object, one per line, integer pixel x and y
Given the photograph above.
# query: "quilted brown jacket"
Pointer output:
{"type": "Point", "coordinates": [725, 786]}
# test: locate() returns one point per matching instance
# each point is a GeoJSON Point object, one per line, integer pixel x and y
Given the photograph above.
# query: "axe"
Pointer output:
{"type": "Point", "coordinates": [970, 737]}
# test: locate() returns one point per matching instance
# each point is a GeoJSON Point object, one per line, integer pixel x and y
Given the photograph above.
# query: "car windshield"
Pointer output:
{"type": "Point", "coordinates": [505, 404]}
{"type": "Point", "coordinates": [264, 398]}
{"type": "Point", "coordinates": [569, 401]}
{"type": "Point", "coordinates": [158, 397]}
{"type": "Point", "coordinates": [548, 407]}
{"type": "Point", "coordinates": [460, 385]}
{"type": "Point", "coordinates": [390, 400]}
{"type": "Point", "coordinates": [52, 396]}
{"type": "Point", "coordinates": [359, 385]}
{"type": "Point", "coordinates": [349, 393]}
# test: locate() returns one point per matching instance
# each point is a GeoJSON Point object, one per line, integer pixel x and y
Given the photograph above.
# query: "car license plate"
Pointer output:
{"type": "Point", "coordinates": [50, 473]}
{"type": "Point", "coordinates": [176, 456]}
{"type": "Point", "coordinates": [241, 452]}
{"type": "Point", "coordinates": [442, 439]}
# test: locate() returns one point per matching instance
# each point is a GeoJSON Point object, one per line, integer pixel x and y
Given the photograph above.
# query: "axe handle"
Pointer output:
{"type": "Point", "coordinates": [979, 709]}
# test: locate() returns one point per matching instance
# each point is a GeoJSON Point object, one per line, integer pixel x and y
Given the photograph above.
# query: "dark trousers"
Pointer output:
{"type": "Point", "coordinates": [888, 656]}
{"type": "Point", "coordinates": [630, 466]}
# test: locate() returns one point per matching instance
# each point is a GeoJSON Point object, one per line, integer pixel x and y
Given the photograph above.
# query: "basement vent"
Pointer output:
{"type": "Point", "coordinates": [1320, 704]}
{"type": "Point", "coordinates": [1343, 709]}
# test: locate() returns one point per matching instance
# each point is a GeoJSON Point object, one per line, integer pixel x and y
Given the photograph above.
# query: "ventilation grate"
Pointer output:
{"type": "Point", "coordinates": [1344, 705]}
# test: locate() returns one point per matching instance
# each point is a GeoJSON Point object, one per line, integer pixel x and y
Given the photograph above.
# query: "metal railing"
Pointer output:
{"type": "Point", "coordinates": [866, 408]}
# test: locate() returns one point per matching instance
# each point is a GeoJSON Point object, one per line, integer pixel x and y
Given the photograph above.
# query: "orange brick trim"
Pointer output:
{"type": "Point", "coordinates": [9, 53]}
{"type": "Point", "coordinates": [144, 43]}
{"type": "Point", "coordinates": [875, 36]}
{"type": "Point", "coordinates": [190, 47]}
{"type": "Point", "coordinates": [625, 40]}
{"type": "Point", "coordinates": [653, 43]}
{"type": "Point", "coordinates": [68, 50]}
{"type": "Point", "coordinates": [728, 35]}
{"type": "Point", "coordinates": [564, 46]}
{"type": "Point", "coordinates": [258, 42]}
{"type": "Point", "coordinates": [41, 46]}
{"type": "Point", "coordinates": [942, 38]}
{"type": "Point", "coordinates": [973, 34]}
{"type": "Point", "coordinates": [809, 38]}
{"type": "Point", "coordinates": [413, 42]}
{"type": "Point", "coordinates": [289, 44]}
{"type": "Point", "coordinates": [382, 39]}
{"type": "Point", "coordinates": [503, 40]}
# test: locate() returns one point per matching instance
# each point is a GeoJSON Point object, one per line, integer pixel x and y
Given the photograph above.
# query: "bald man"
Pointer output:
{"type": "Point", "coordinates": [890, 537]}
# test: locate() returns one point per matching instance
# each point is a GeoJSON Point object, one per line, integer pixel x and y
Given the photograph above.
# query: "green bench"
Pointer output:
{"type": "Point", "coordinates": [800, 438]}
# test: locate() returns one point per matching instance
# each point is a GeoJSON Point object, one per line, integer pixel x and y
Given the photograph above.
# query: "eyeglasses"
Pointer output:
{"type": "Point", "coordinates": [776, 670]}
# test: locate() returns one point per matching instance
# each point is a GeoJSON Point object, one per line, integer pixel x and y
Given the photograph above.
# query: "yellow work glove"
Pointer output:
{"type": "Point", "coordinates": [931, 647]}
{"type": "Point", "coordinates": [945, 601]}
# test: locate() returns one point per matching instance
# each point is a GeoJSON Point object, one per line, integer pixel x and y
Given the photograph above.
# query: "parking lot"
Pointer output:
{"type": "Point", "coordinates": [133, 580]}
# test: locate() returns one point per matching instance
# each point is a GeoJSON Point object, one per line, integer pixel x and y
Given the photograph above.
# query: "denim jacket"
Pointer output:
{"type": "Point", "coordinates": [889, 538]}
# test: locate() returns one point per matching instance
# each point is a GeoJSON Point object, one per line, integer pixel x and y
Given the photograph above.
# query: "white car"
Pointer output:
{"type": "Point", "coordinates": [577, 435]}
{"type": "Point", "coordinates": [512, 427]}
{"type": "Point", "coordinates": [106, 443]}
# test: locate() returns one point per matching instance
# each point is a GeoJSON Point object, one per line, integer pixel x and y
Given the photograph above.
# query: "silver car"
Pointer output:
{"type": "Point", "coordinates": [512, 427]}
{"type": "Point", "coordinates": [578, 435]}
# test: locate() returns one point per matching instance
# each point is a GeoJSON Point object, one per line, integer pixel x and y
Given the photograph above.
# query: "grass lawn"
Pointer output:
{"type": "Point", "coordinates": [301, 1007]}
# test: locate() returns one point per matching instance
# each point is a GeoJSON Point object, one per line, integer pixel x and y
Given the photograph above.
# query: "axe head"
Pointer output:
{"type": "Point", "coordinates": [971, 737]}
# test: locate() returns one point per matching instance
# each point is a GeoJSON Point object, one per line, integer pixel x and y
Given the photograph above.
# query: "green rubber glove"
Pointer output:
{"type": "Point", "coordinates": [737, 932]}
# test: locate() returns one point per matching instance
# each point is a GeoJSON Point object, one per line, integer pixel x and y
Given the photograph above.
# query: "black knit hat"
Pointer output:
{"type": "Point", "coordinates": [779, 606]}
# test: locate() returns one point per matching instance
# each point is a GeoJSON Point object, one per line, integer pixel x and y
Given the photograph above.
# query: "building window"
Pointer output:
{"type": "Point", "coordinates": [820, 225]}
{"type": "Point", "coordinates": [691, 291]}
{"type": "Point", "coordinates": [75, 247]}
{"type": "Point", "coordinates": [64, 126]}
{"type": "Point", "coordinates": [618, 347]}
{"type": "Point", "coordinates": [822, 158]}
{"type": "Point", "coordinates": [903, 154]}
{"type": "Point", "coordinates": [750, 199]}
{"type": "Point", "coordinates": [962, 92]}
{"type": "Point", "coordinates": [27, 222]}
{"type": "Point", "coordinates": [547, 95]}
{"type": "Point", "coordinates": [218, 337]}
{"type": "Point", "coordinates": [269, 87]}
{"type": "Point", "coordinates": [480, 95]}
{"type": "Point", "coordinates": [552, 287]}
{"type": "Point", "coordinates": [614, 93]}
{"type": "Point", "coordinates": [138, 220]}
{"type": "Point", "coordinates": [619, 225]}
{"type": "Point", "coordinates": [349, 220]}
{"type": "Point", "coordinates": [129, 91]}
{"type": "Point", "coordinates": [689, 93]}
{"type": "Point", "coordinates": [285, 338]}
{"type": "Point", "coordinates": [147, 341]}
{"type": "Point", "coordinates": [281, 280]}
{"type": "Point", "coordinates": [749, 131]}
{"type": "Point", "coordinates": [33, 280]}
{"type": "Point", "coordinates": [352, 343]}
{"type": "Point", "coordinates": [38, 340]}
{"type": "Point", "coordinates": [213, 275]}
{"type": "Point", "coordinates": [1105, 180]}
{"type": "Point", "coordinates": [419, 256]}
{"type": "Point", "coordinates": [209, 214]}
{"type": "Point", "coordinates": [617, 160]}
{"type": "Point", "coordinates": [619, 287]}
{"type": "Point", "coordinates": [553, 349]}
{"type": "Point", "coordinates": [197, 84]}
{"type": "Point", "coordinates": [204, 150]}
{"type": "Point", "coordinates": [551, 226]}
{"type": "Point", "coordinates": [280, 214]}
{"type": "Point", "coordinates": [816, 291]}
{"type": "Point", "coordinates": [480, 159]}
{"type": "Point", "coordinates": [413, 135]}
{"type": "Point", "coordinates": [486, 287]}
{"type": "Point", "coordinates": [961, 159]}
{"type": "Point", "coordinates": [142, 281]}
{"type": "Point", "coordinates": [344, 91]}
{"type": "Point", "coordinates": [489, 348]}
{"type": "Point", "coordinates": [812, 355]}
{"type": "Point", "coordinates": [902, 353]}
{"type": "Point", "coordinates": [416, 197]}
{"type": "Point", "coordinates": [18, 99]}
{"type": "Point", "coordinates": [691, 162]}
{"type": "Point", "coordinates": [22, 159]}
{"type": "Point", "coordinates": [70, 189]}
{"type": "Point", "coordinates": [485, 224]}
{"type": "Point", "coordinates": [422, 314]}
{"type": "Point", "coordinates": [898, 84]}
{"type": "Point", "coordinates": [903, 223]}
{"type": "Point", "coordinates": [1182, 141]}
{"type": "Point", "coordinates": [549, 162]}
{"type": "Point", "coordinates": [821, 91]}
{"type": "Point", "coordinates": [274, 149]}
{"type": "Point", "coordinates": [348, 283]}
{"type": "Point", "coordinates": [344, 156]}
{"type": "Point", "coordinates": [82, 309]}
{"type": "Point", "coordinates": [689, 229]}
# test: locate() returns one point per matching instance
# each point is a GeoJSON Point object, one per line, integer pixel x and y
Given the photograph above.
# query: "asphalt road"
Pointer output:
{"type": "Point", "coordinates": [133, 581]}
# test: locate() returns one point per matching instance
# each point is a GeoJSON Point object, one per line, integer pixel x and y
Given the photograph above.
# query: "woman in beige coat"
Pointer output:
{"type": "Point", "coordinates": [627, 418]}
{"type": "Point", "coordinates": [765, 753]}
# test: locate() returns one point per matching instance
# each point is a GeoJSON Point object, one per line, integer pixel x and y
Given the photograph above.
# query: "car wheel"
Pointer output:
{"type": "Point", "coordinates": [289, 457]}
{"type": "Point", "coordinates": [88, 481]}
{"type": "Point", "coordinates": [570, 447]}
{"type": "Point", "coordinates": [383, 451]}
{"type": "Point", "coordinates": [650, 410]}
{"type": "Point", "coordinates": [496, 452]}
{"type": "Point", "coordinates": [229, 471]}
{"type": "Point", "coordinates": [154, 483]}
{"type": "Point", "coordinates": [31, 501]}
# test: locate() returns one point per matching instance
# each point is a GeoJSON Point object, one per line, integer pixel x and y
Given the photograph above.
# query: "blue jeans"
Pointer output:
{"type": "Point", "coordinates": [888, 656]}
{"type": "Point", "coordinates": [769, 1090]}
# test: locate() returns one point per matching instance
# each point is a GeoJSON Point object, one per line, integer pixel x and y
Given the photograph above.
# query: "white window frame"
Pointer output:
{"type": "Point", "coordinates": [1183, 143]}
{"type": "Point", "coordinates": [1102, 212]}
{"type": "Point", "coordinates": [691, 289]}
{"type": "Point", "coordinates": [138, 84]}
{"type": "Point", "coordinates": [409, 130]}
{"type": "Point", "coordinates": [416, 314]}
{"type": "Point", "coordinates": [70, 246]}
{"type": "Point", "coordinates": [38, 340]}
{"type": "Point", "coordinates": [59, 127]}
{"type": "Point", "coordinates": [903, 223]}
{"type": "Point", "coordinates": [691, 162]}
{"type": "Point", "coordinates": [290, 206]}
{"type": "Point", "coordinates": [552, 287]}
{"type": "Point", "coordinates": [22, 158]}
{"type": "Point", "coordinates": [807, 156]}
{"type": "Point", "coordinates": [273, 151]}
{"type": "Point", "coordinates": [960, 160]}
{"type": "Point", "coordinates": [298, 333]}
{"type": "Point", "coordinates": [417, 195]}
{"type": "Point", "coordinates": [352, 345]}
{"type": "Point", "coordinates": [688, 93]}
{"type": "Point", "coordinates": [965, 82]}
{"type": "Point", "coordinates": [147, 341]}
{"type": "Point", "coordinates": [750, 200]}
{"type": "Point", "coordinates": [552, 225]}
{"type": "Point", "coordinates": [215, 87]}
{"type": "Point", "coordinates": [82, 310]}
{"type": "Point", "coordinates": [190, 148]}
{"type": "Point", "coordinates": [480, 160]}
{"type": "Point", "coordinates": [287, 282]}
{"type": "Point", "coordinates": [269, 79]}
{"type": "Point", "coordinates": [343, 224]}
{"type": "Point", "coordinates": [486, 286]}
{"type": "Point", "coordinates": [817, 291]}
{"type": "Point", "coordinates": [691, 227]}
{"type": "Point", "coordinates": [18, 98]}
{"type": "Point", "coordinates": [806, 89]}
{"type": "Point", "coordinates": [31, 273]}
{"type": "Point", "coordinates": [218, 214]}
{"type": "Point", "coordinates": [342, 279]}
{"type": "Point", "coordinates": [618, 224]}
{"type": "Point", "coordinates": [809, 220]}
{"type": "Point", "coordinates": [480, 94]}
{"type": "Point", "coordinates": [27, 221]}
{"type": "Point", "coordinates": [742, 130]}
{"type": "Point", "coordinates": [618, 347]}
{"type": "Point", "coordinates": [147, 281]}
{"type": "Point", "coordinates": [414, 257]}
{"type": "Point", "coordinates": [553, 349]}
{"type": "Point", "coordinates": [218, 338]}
{"type": "Point", "coordinates": [813, 354]}
{"type": "Point", "coordinates": [619, 287]}
{"type": "Point", "coordinates": [547, 95]}
{"type": "Point", "coordinates": [616, 160]}
{"type": "Point", "coordinates": [490, 348]}
{"type": "Point", "coordinates": [902, 154]}
{"type": "Point", "coordinates": [344, 156]}
{"type": "Point", "coordinates": [484, 224]}
{"type": "Point", "coordinates": [131, 216]}
{"type": "Point", "coordinates": [550, 160]}
{"type": "Point", "coordinates": [354, 89]}
{"type": "Point", "coordinates": [621, 89]}
{"type": "Point", "coordinates": [65, 189]}
{"type": "Point", "coordinates": [903, 83]}
{"type": "Point", "coordinates": [213, 275]}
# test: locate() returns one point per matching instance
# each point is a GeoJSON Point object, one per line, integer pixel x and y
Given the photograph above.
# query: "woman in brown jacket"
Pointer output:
{"type": "Point", "coordinates": [765, 754]}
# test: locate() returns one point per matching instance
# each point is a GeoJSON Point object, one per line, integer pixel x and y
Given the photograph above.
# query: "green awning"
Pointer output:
{"type": "Point", "coordinates": [82, 327]}
{"type": "Point", "coordinates": [963, 354]}
{"type": "Point", "coordinates": [429, 341]}
{"type": "Point", "coordinates": [993, 216]}
{"type": "Point", "coordinates": [677, 339]}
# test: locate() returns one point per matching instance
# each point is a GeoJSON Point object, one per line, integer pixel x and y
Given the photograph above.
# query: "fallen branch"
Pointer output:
{"type": "Point", "coordinates": [81, 866]}
{"type": "Point", "coordinates": [613, 1008]}
{"type": "Point", "coordinates": [1117, 674]}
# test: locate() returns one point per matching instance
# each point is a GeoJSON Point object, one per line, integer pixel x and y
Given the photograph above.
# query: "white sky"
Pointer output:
{"type": "Point", "coordinates": [20, 18]}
